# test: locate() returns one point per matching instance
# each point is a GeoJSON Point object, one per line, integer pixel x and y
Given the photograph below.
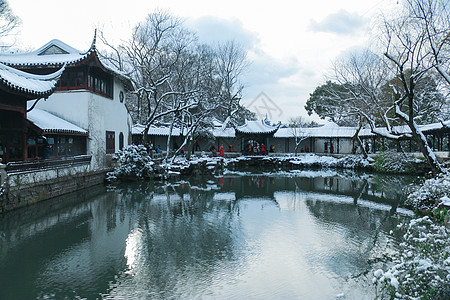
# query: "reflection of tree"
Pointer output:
{"type": "Point", "coordinates": [35, 239]}
{"type": "Point", "coordinates": [179, 233]}
{"type": "Point", "coordinates": [378, 188]}
{"type": "Point", "coordinates": [355, 223]}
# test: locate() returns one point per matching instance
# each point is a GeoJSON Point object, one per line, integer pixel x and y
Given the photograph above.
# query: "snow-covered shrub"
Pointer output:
{"type": "Point", "coordinates": [394, 162]}
{"type": "Point", "coordinates": [354, 162]}
{"type": "Point", "coordinates": [429, 194]}
{"type": "Point", "coordinates": [134, 162]}
{"type": "Point", "coordinates": [422, 265]}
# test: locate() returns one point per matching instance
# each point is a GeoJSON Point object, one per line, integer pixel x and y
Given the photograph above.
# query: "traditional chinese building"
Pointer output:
{"type": "Point", "coordinates": [90, 95]}
{"type": "Point", "coordinates": [326, 139]}
{"type": "Point", "coordinates": [254, 136]}
{"type": "Point", "coordinates": [17, 88]}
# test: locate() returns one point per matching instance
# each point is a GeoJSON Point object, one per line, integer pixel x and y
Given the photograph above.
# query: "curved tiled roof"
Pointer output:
{"type": "Point", "coordinates": [50, 123]}
{"type": "Point", "coordinates": [153, 130]}
{"type": "Point", "coordinates": [329, 130]}
{"type": "Point", "coordinates": [57, 53]}
{"type": "Point", "coordinates": [53, 53]}
{"type": "Point", "coordinates": [30, 85]}
{"type": "Point", "coordinates": [256, 127]}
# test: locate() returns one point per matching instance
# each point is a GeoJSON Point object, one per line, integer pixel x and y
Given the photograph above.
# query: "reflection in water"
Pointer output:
{"type": "Point", "coordinates": [312, 235]}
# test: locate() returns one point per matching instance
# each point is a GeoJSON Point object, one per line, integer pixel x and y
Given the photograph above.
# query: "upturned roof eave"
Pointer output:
{"type": "Point", "coordinates": [73, 57]}
{"type": "Point", "coordinates": [19, 82]}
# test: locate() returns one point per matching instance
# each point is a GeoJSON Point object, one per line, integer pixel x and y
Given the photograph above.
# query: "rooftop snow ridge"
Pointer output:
{"type": "Point", "coordinates": [51, 123]}
{"type": "Point", "coordinates": [52, 53]}
{"type": "Point", "coordinates": [32, 84]}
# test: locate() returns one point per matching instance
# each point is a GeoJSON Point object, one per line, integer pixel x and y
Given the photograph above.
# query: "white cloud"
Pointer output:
{"type": "Point", "coordinates": [277, 78]}
{"type": "Point", "coordinates": [211, 29]}
{"type": "Point", "coordinates": [342, 22]}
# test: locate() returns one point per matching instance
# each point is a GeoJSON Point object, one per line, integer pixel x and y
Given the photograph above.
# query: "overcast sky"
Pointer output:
{"type": "Point", "coordinates": [291, 44]}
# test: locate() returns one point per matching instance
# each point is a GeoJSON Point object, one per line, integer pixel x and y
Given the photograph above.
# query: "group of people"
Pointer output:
{"type": "Point", "coordinates": [250, 149]}
{"type": "Point", "coordinates": [221, 150]}
{"type": "Point", "coordinates": [151, 148]}
{"type": "Point", "coordinates": [256, 150]}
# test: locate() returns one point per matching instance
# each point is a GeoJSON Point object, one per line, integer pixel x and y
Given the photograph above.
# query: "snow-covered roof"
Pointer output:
{"type": "Point", "coordinates": [290, 132]}
{"type": "Point", "coordinates": [32, 85]}
{"type": "Point", "coordinates": [224, 132]}
{"type": "Point", "coordinates": [435, 126]}
{"type": "Point", "coordinates": [329, 130]}
{"type": "Point", "coordinates": [53, 53]}
{"type": "Point", "coordinates": [153, 130]}
{"type": "Point", "coordinates": [50, 123]}
{"type": "Point", "coordinates": [256, 127]}
{"type": "Point", "coordinates": [404, 129]}
{"type": "Point", "coordinates": [57, 53]}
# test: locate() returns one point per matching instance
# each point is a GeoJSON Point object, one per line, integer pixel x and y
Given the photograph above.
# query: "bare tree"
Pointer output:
{"type": "Point", "coordinates": [177, 81]}
{"type": "Point", "coordinates": [231, 61]}
{"type": "Point", "coordinates": [432, 19]}
{"type": "Point", "coordinates": [8, 22]}
{"type": "Point", "coordinates": [300, 121]}
{"type": "Point", "coordinates": [299, 128]}
{"type": "Point", "coordinates": [152, 54]}
{"type": "Point", "coordinates": [370, 91]}
{"type": "Point", "coordinates": [406, 49]}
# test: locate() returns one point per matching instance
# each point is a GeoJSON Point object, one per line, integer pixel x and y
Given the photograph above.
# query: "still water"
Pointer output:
{"type": "Point", "coordinates": [312, 235]}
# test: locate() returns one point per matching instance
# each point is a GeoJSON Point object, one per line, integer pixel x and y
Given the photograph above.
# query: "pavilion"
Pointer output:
{"type": "Point", "coordinates": [16, 131]}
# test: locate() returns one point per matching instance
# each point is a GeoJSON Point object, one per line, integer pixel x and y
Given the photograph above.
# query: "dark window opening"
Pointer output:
{"type": "Point", "coordinates": [121, 141]}
{"type": "Point", "coordinates": [101, 84]}
{"type": "Point", "coordinates": [96, 81]}
{"type": "Point", "coordinates": [57, 146]}
{"type": "Point", "coordinates": [110, 142]}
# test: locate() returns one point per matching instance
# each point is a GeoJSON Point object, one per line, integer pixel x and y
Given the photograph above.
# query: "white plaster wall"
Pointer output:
{"type": "Point", "coordinates": [95, 113]}
{"type": "Point", "coordinates": [107, 114]}
{"type": "Point", "coordinates": [97, 133]}
{"type": "Point", "coordinates": [71, 106]}
{"type": "Point", "coordinates": [280, 145]}
{"type": "Point", "coordinates": [345, 145]}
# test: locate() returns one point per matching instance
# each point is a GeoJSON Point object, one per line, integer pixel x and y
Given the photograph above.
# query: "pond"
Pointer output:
{"type": "Point", "coordinates": [308, 235]}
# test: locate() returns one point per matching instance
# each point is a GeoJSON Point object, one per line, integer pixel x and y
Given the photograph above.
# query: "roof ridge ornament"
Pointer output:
{"type": "Point", "coordinates": [94, 41]}
{"type": "Point", "coordinates": [93, 47]}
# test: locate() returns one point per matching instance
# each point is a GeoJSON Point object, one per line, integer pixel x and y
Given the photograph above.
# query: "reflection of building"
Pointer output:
{"type": "Point", "coordinates": [356, 188]}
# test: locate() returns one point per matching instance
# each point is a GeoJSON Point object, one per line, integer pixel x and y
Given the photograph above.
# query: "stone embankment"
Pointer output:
{"type": "Point", "coordinates": [255, 164]}
{"type": "Point", "coordinates": [213, 166]}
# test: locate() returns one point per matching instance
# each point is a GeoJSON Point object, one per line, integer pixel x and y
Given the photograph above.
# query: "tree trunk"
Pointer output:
{"type": "Point", "coordinates": [188, 148]}
{"type": "Point", "coordinates": [424, 148]}
{"type": "Point", "coordinates": [358, 140]}
{"type": "Point", "coordinates": [168, 140]}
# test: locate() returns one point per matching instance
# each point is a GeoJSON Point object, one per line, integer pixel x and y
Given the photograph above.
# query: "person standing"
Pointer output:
{"type": "Point", "coordinates": [263, 149]}
{"type": "Point", "coordinates": [222, 151]}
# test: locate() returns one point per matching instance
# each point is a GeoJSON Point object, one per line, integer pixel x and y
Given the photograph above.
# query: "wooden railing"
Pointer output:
{"type": "Point", "coordinates": [22, 166]}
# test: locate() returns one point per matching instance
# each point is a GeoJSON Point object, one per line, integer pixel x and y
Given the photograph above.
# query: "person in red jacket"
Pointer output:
{"type": "Point", "coordinates": [263, 149]}
{"type": "Point", "coordinates": [222, 151]}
